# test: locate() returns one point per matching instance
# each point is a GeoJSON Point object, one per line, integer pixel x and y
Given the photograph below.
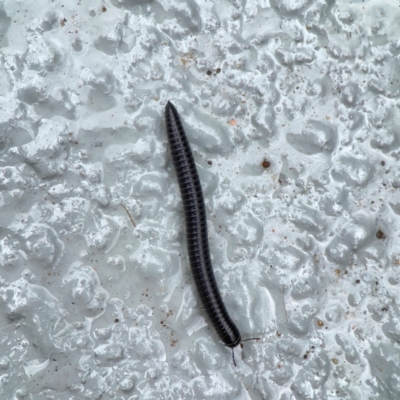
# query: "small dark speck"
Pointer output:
{"type": "Point", "coordinates": [209, 162]}
{"type": "Point", "coordinates": [116, 320]}
{"type": "Point", "coordinates": [104, 9]}
{"type": "Point", "coordinates": [380, 235]}
{"type": "Point", "coordinates": [218, 70]}
{"type": "Point", "coordinates": [266, 164]}
{"type": "Point", "coordinates": [209, 73]}
{"type": "Point", "coordinates": [383, 163]}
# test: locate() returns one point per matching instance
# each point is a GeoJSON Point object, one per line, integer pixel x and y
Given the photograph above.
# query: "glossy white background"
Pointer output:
{"type": "Point", "coordinates": [292, 110]}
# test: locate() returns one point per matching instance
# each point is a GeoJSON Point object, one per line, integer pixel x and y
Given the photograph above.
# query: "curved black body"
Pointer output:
{"type": "Point", "coordinates": [196, 229]}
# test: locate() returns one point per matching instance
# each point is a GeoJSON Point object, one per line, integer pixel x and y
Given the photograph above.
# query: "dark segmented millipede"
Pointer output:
{"type": "Point", "coordinates": [196, 230]}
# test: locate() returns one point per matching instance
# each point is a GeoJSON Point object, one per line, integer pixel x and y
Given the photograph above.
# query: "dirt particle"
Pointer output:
{"type": "Point", "coordinates": [380, 235]}
{"type": "Point", "coordinates": [265, 164]}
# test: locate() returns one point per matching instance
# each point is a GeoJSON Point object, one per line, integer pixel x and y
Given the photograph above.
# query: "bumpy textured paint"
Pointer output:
{"type": "Point", "coordinates": [294, 115]}
{"type": "Point", "coordinates": [196, 229]}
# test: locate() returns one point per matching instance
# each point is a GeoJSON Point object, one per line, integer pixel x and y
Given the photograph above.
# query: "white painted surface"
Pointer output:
{"type": "Point", "coordinates": [306, 250]}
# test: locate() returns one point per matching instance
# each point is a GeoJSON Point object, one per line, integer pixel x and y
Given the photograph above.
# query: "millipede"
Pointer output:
{"type": "Point", "coordinates": [196, 231]}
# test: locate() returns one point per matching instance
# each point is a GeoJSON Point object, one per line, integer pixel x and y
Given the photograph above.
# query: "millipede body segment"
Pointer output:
{"type": "Point", "coordinates": [196, 229]}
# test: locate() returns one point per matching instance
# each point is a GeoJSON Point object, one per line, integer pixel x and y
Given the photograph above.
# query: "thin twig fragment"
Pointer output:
{"type": "Point", "coordinates": [130, 217]}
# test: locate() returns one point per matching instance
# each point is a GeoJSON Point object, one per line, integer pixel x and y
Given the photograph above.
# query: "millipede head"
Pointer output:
{"type": "Point", "coordinates": [235, 343]}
